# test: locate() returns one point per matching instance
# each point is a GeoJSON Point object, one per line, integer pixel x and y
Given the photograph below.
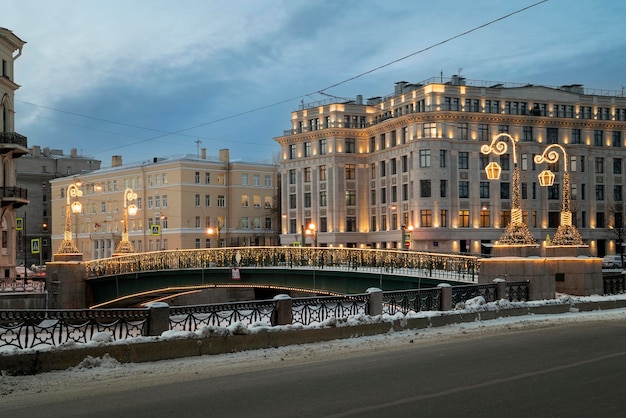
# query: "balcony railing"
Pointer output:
{"type": "Point", "coordinates": [14, 139]}
{"type": "Point", "coordinates": [13, 192]}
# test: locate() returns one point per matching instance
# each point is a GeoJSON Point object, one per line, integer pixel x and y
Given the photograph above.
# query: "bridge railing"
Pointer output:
{"type": "Point", "coordinates": [436, 265]}
{"type": "Point", "coordinates": [41, 328]}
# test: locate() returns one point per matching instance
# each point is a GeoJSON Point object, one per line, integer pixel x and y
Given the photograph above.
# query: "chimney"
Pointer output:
{"type": "Point", "coordinates": [116, 161]}
{"type": "Point", "coordinates": [36, 151]}
{"type": "Point", "coordinates": [203, 153]}
{"type": "Point", "coordinates": [73, 153]}
{"type": "Point", "coordinates": [224, 155]}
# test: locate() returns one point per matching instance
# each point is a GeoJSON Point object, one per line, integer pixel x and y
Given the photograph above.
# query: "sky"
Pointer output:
{"type": "Point", "coordinates": [153, 78]}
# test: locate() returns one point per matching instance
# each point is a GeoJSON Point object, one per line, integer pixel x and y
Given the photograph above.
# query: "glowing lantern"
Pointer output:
{"type": "Point", "coordinates": [493, 170]}
{"type": "Point", "coordinates": [546, 178]}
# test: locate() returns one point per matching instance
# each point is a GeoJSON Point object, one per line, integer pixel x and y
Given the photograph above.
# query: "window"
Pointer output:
{"type": "Point", "coordinates": [485, 218]}
{"type": "Point", "coordinates": [197, 199]}
{"type": "Point", "coordinates": [350, 198]}
{"type": "Point", "coordinates": [505, 190]}
{"type": "Point", "coordinates": [351, 223]}
{"type": "Point", "coordinates": [245, 224]}
{"type": "Point", "coordinates": [600, 220]}
{"type": "Point", "coordinates": [443, 218]}
{"type": "Point", "coordinates": [616, 139]}
{"type": "Point", "coordinates": [553, 192]}
{"type": "Point", "coordinates": [505, 217]}
{"type": "Point", "coordinates": [268, 181]}
{"type": "Point", "coordinates": [322, 172]}
{"type": "Point", "coordinates": [307, 200]}
{"type": "Point", "coordinates": [617, 193]}
{"type": "Point", "coordinates": [256, 201]}
{"type": "Point", "coordinates": [207, 178]}
{"type": "Point", "coordinates": [394, 166]}
{"type": "Point", "coordinates": [383, 168]}
{"type": "Point", "coordinates": [430, 130]}
{"type": "Point", "coordinates": [599, 192]}
{"type": "Point", "coordinates": [484, 190]}
{"type": "Point", "coordinates": [292, 201]}
{"type": "Point", "coordinates": [424, 158]}
{"type": "Point", "coordinates": [307, 149]}
{"type": "Point", "coordinates": [307, 174]}
{"type": "Point", "coordinates": [292, 151]}
{"type": "Point", "coordinates": [527, 134]}
{"type": "Point", "coordinates": [267, 202]}
{"type": "Point", "coordinates": [483, 132]}
{"type": "Point", "coordinates": [197, 177]}
{"type": "Point", "coordinates": [221, 201]}
{"type": "Point", "coordinates": [464, 218]}
{"type": "Point", "coordinates": [464, 189]}
{"type": "Point", "coordinates": [426, 218]}
{"type": "Point", "coordinates": [244, 179]}
{"type": "Point", "coordinates": [463, 160]}
{"type": "Point", "coordinates": [323, 199]}
{"type": "Point", "coordinates": [617, 166]}
{"type": "Point", "coordinates": [350, 171]}
{"type": "Point", "coordinates": [443, 188]}
{"type": "Point", "coordinates": [149, 203]}
{"type": "Point", "coordinates": [599, 165]}
{"type": "Point", "coordinates": [292, 176]}
{"type": "Point", "coordinates": [576, 138]}
{"type": "Point", "coordinates": [552, 135]}
{"type": "Point", "coordinates": [425, 188]}
{"type": "Point", "coordinates": [322, 146]}
{"type": "Point", "coordinates": [244, 201]}
{"type": "Point", "coordinates": [505, 162]}
{"type": "Point", "coordinates": [463, 131]}
{"type": "Point", "coordinates": [350, 146]}
{"type": "Point", "coordinates": [597, 137]}
{"type": "Point", "coordinates": [405, 163]}
{"type": "Point", "coordinates": [257, 180]}
{"type": "Point", "coordinates": [443, 156]}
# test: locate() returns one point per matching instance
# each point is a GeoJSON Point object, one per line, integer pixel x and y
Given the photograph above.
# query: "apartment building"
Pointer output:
{"type": "Point", "coordinates": [184, 202]}
{"type": "Point", "coordinates": [12, 146]}
{"type": "Point", "coordinates": [366, 173]}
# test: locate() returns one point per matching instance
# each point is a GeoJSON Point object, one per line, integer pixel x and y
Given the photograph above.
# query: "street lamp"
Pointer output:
{"type": "Point", "coordinates": [406, 236]}
{"type": "Point", "coordinates": [216, 232]}
{"type": "Point", "coordinates": [125, 246]}
{"type": "Point", "coordinates": [566, 234]}
{"type": "Point", "coordinates": [311, 230]}
{"type": "Point", "coordinates": [73, 191]}
{"type": "Point", "coordinates": [516, 232]}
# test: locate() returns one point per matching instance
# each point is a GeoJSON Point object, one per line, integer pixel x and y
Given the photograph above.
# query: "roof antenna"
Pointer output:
{"type": "Point", "coordinates": [198, 142]}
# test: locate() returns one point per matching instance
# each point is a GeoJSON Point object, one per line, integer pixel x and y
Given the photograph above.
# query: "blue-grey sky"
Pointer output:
{"type": "Point", "coordinates": [150, 78]}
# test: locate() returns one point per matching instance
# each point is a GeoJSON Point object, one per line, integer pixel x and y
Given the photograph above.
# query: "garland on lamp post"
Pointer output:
{"type": "Point", "coordinates": [125, 247]}
{"type": "Point", "coordinates": [516, 232]}
{"type": "Point", "coordinates": [68, 246]}
{"type": "Point", "coordinates": [566, 234]}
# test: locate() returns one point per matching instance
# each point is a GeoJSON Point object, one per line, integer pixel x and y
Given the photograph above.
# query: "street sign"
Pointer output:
{"type": "Point", "coordinates": [19, 224]}
{"type": "Point", "coordinates": [235, 274]}
{"type": "Point", "coordinates": [35, 244]}
{"type": "Point", "coordinates": [155, 230]}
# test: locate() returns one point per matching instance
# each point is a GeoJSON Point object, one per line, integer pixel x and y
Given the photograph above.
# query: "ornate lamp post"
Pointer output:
{"type": "Point", "coordinates": [68, 246]}
{"type": "Point", "coordinates": [566, 234]}
{"type": "Point", "coordinates": [311, 230]}
{"type": "Point", "coordinates": [516, 232]}
{"type": "Point", "coordinates": [125, 246]}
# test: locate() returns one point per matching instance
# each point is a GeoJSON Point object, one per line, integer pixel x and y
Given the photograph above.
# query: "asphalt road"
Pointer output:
{"type": "Point", "coordinates": [571, 370]}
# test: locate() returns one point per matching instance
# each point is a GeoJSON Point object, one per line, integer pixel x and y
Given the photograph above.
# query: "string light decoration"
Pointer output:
{"type": "Point", "coordinates": [516, 232]}
{"type": "Point", "coordinates": [566, 234]}
{"type": "Point", "coordinates": [68, 246]}
{"type": "Point", "coordinates": [125, 246]}
{"type": "Point", "coordinates": [452, 265]}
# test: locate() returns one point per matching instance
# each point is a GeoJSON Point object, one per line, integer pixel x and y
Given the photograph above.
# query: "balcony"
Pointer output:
{"type": "Point", "coordinates": [13, 196]}
{"type": "Point", "coordinates": [12, 141]}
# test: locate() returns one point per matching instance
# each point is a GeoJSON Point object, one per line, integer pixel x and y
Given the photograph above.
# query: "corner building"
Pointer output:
{"type": "Point", "coordinates": [364, 171]}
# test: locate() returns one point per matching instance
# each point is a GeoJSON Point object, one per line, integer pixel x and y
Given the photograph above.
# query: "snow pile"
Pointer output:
{"type": "Point", "coordinates": [90, 362]}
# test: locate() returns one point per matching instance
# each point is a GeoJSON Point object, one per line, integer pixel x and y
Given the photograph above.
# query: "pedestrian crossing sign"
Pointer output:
{"type": "Point", "coordinates": [155, 230]}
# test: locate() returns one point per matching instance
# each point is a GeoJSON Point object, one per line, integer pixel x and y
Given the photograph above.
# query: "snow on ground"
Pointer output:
{"type": "Point", "coordinates": [108, 371]}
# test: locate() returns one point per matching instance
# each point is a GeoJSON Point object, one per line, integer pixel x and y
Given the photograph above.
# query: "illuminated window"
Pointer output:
{"type": "Point", "coordinates": [464, 218]}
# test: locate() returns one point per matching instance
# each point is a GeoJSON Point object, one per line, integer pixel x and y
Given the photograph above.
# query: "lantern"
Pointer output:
{"type": "Point", "coordinates": [546, 178]}
{"type": "Point", "coordinates": [493, 170]}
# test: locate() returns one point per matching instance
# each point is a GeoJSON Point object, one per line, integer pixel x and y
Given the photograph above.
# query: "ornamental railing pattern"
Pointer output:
{"type": "Point", "coordinates": [411, 301]}
{"type": "Point", "coordinates": [41, 328]}
{"type": "Point", "coordinates": [614, 285]}
{"type": "Point", "coordinates": [461, 294]}
{"type": "Point", "coordinates": [316, 310]}
{"type": "Point", "coordinates": [194, 318]}
{"type": "Point", "coordinates": [435, 265]}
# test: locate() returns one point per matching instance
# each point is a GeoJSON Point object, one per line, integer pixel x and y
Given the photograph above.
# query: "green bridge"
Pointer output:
{"type": "Point", "coordinates": [137, 278]}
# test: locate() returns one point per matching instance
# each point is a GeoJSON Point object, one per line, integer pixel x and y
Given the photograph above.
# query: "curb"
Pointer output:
{"type": "Point", "coordinates": [139, 352]}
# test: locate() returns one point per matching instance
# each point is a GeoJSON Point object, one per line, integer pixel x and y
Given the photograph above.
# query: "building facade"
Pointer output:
{"type": "Point", "coordinates": [368, 173]}
{"type": "Point", "coordinates": [183, 203]}
{"type": "Point", "coordinates": [34, 172]}
{"type": "Point", "coordinates": [12, 146]}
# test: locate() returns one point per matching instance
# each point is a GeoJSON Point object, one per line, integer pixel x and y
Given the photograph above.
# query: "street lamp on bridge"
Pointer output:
{"type": "Point", "coordinates": [125, 246]}
{"type": "Point", "coordinates": [312, 230]}
{"type": "Point", "coordinates": [215, 231]}
{"type": "Point", "coordinates": [68, 246]}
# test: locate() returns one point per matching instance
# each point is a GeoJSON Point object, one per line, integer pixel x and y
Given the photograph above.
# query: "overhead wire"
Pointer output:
{"type": "Point", "coordinates": [320, 91]}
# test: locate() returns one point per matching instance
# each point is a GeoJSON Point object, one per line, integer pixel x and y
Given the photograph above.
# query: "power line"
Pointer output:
{"type": "Point", "coordinates": [321, 91]}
